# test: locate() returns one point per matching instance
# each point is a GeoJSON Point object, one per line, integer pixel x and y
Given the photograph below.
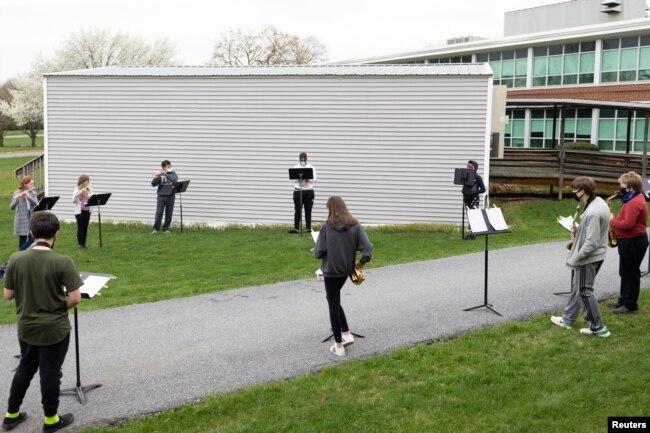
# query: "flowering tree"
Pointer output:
{"type": "Point", "coordinates": [82, 50]}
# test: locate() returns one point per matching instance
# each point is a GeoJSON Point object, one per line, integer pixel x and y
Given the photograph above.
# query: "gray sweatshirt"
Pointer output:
{"type": "Point", "coordinates": [590, 243]}
{"type": "Point", "coordinates": [165, 183]}
{"type": "Point", "coordinates": [338, 246]}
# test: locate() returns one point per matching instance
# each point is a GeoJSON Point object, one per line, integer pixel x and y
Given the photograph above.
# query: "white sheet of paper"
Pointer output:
{"type": "Point", "coordinates": [319, 274]}
{"type": "Point", "coordinates": [566, 222]}
{"type": "Point", "coordinates": [314, 235]}
{"type": "Point", "coordinates": [476, 221]}
{"type": "Point", "coordinates": [496, 219]}
{"type": "Point", "coordinates": [93, 284]}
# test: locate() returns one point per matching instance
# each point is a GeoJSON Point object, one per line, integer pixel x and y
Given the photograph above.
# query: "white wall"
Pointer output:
{"type": "Point", "coordinates": [388, 145]}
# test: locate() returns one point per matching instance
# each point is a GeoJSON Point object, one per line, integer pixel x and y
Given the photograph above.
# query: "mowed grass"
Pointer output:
{"type": "Point", "coordinates": [18, 141]}
{"type": "Point", "coordinates": [530, 377]}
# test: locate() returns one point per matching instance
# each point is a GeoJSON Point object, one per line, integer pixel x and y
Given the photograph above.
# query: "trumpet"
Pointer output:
{"type": "Point", "coordinates": [159, 173]}
{"type": "Point", "coordinates": [612, 241]}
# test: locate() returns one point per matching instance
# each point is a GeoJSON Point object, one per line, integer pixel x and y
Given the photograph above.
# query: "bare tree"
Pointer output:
{"type": "Point", "coordinates": [268, 47]}
{"type": "Point", "coordinates": [82, 50]}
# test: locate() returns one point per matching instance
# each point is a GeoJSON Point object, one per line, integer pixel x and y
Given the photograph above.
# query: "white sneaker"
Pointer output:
{"type": "Point", "coordinates": [347, 339]}
{"type": "Point", "coordinates": [336, 351]}
{"type": "Point", "coordinates": [602, 333]}
{"type": "Point", "coordinates": [559, 321]}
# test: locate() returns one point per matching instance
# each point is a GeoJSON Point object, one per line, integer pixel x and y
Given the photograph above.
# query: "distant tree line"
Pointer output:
{"type": "Point", "coordinates": [21, 99]}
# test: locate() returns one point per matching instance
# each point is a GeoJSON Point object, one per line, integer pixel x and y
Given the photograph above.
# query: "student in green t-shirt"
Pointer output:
{"type": "Point", "coordinates": [37, 279]}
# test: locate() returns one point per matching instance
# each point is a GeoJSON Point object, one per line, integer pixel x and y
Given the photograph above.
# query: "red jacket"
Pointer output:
{"type": "Point", "coordinates": [631, 221]}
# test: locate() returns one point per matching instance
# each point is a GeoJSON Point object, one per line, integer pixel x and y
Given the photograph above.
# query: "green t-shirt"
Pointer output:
{"type": "Point", "coordinates": [37, 278]}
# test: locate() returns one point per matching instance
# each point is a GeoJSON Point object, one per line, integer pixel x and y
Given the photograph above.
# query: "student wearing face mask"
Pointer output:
{"type": "Point", "coordinates": [585, 259]}
{"type": "Point", "coordinates": [164, 180]}
{"type": "Point", "coordinates": [630, 231]}
{"type": "Point", "coordinates": [306, 190]}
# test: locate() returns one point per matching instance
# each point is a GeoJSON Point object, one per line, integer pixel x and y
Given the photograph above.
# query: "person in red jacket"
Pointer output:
{"type": "Point", "coordinates": [630, 230]}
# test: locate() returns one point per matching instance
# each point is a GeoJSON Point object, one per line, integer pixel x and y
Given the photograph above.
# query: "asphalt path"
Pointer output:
{"type": "Point", "coordinates": [162, 355]}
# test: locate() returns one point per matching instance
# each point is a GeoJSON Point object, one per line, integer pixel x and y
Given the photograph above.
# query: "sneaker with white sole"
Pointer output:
{"type": "Point", "coordinates": [336, 351]}
{"type": "Point", "coordinates": [347, 339]}
{"type": "Point", "coordinates": [559, 321]}
{"type": "Point", "coordinates": [601, 333]}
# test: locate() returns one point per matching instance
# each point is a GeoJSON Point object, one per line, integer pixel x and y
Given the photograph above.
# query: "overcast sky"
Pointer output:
{"type": "Point", "coordinates": [349, 29]}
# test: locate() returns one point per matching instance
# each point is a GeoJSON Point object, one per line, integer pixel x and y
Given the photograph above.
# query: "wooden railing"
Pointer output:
{"type": "Point", "coordinates": [542, 166]}
{"type": "Point", "coordinates": [35, 169]}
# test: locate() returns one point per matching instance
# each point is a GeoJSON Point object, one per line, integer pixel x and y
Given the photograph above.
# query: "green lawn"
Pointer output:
{"type": "Point", "coordinates": [17, 141]}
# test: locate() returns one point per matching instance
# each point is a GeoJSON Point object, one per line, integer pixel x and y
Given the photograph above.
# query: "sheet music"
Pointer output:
{"type": "Point", "coordinates": [93, 284]}
{"type": "Point", "coordinates": [476, 221]}
{"type": "Point", "coordinates": [496, 219]}
{"type": "Point", "coordinates": [566, 222]}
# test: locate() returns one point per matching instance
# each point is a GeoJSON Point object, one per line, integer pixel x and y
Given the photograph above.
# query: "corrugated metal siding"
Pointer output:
{"type": "Point", "coordinates": [388, 145]}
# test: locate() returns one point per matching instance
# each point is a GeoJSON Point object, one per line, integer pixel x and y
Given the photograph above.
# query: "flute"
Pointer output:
{"type": "Point", "coordinates": [24, 192]}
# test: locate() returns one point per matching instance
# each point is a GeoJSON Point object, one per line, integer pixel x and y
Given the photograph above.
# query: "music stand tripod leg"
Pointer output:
{"type": "Point", "coordinates": [485, 286]}
{"type": "Point", "coordinates": [78, 390]}
{"type": "Point", "coordinates": [332, 336]}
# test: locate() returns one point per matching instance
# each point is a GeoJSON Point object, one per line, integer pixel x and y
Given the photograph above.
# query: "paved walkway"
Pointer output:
{"type": "Point", "coordinates": [165, 354]}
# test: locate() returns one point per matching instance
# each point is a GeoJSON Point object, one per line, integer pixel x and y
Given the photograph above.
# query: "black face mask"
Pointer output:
{"type": "Point", "coordinates": [575, 196]}
{"type": "Point", "coordinates": [622, 192]}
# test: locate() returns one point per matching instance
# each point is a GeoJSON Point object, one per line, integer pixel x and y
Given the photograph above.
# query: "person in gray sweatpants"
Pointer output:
{"type": "Point", "coordinates": [164, 180]}
{"type": "Point", "coordinates": [585, 258]}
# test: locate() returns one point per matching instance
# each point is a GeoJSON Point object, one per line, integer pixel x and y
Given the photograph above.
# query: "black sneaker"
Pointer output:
{"type": "Point", "coordinates": [9, 423]}
{"type": "Point", "coordinates": [294, 231]}
{"type": "Point", "coordinates": [64, 421]}
{"type": "Point", "coordinates": [614, 305]}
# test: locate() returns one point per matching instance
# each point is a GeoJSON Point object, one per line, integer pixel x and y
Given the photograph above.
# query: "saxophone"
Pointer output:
{"type": "Point", "coordinates": [612, 242]}
{"type": "Point", "coordinates": [574, 229]}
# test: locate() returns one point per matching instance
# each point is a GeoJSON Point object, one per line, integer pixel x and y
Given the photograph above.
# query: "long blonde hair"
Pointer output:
{"type": "Point", "coordinates": [82, 179]}
{"type": "Point", "coordinates": [339, 213]}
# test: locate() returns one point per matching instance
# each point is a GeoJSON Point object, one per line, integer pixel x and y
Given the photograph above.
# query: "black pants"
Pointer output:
{"type": "Point", "coordinates": [471, 201]}
{"type": "Point", "coordinates": [25, 242]}
{"type": "Point", "coordinates": [630, 255]}
{"type": "Point", "coordinates": [48, 360]}
{"type": "Point", "coordinates": [165, 204]}
{"type": "Point", "coordinates": [337, 315]}
{"type": "Point", "coordinates": [307, 202]}
{"type": "Point", "coordinates": [83, 220]}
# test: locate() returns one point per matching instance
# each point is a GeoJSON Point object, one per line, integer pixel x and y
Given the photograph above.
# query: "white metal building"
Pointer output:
{"type": "Point", "coordinates": [385, 137]}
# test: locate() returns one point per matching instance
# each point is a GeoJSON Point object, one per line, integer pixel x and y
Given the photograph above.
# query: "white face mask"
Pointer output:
{"type": "Point", "coordinates": [303, 163]}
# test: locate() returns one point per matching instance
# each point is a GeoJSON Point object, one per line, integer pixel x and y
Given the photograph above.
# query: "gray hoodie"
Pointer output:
{"type": "Point", "coordinates": [590, 243]}
{"type": "Point", "coordinates": [338, 246]}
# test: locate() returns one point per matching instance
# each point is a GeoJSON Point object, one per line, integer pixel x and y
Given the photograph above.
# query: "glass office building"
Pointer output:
{"type": "Point", "coordinates": [577, 49]}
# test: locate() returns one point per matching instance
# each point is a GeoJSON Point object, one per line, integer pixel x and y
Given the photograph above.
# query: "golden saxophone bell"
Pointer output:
{"type": "Point", "coordinates": [357, 276]}
{"type": "Point", "coordinates": [612, 240]}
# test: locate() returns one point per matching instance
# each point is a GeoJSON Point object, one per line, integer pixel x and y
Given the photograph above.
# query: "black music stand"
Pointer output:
{"type": "Point", "coordinates": [483, 222]}
{"type": "Point", "coordinates": [179, 188]}
{"type": "Point", "coordinates": [99, 200]}
{"type": "Point", "coordinates": [87, 291]}
{"type": "Point", "coordinates": [300, 174]}
{"type": "Point", "coordinates": [46, 203]}
{"type": "Point", "coordinates": [465, 177]}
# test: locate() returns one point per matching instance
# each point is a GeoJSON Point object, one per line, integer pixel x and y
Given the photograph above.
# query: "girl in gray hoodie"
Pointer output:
{"type": "Point", "coordinates": [338, 242]}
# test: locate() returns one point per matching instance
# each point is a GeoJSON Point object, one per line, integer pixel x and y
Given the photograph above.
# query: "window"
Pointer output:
{"type": "Point", "coordinates": [577, 127]}
{"type": "Point", "coordinates": [509, 67]}
{"type": "Point", "coordinates": [625, 59]}
{"type": "Point", "coordinates": [612, 131]}
{"type": "Point", "coordinates": [514, 129]}
{"type": "Point", "coordinates": [564, 64]}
